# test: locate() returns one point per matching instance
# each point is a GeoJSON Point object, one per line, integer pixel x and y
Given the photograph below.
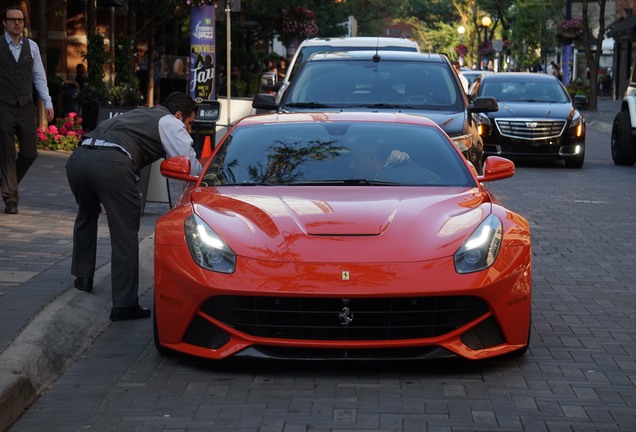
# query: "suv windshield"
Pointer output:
{"type": "Point", "coordinates": [399, 84]}
{"type": "Point", "coordinates": [307, 51]}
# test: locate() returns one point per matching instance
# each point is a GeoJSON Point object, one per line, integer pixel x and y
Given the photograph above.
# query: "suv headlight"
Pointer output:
{"type": "Point", "coordinates": [207, 248]}
{"type": "Point", "coordinates": [480, 250]}
{"type": "Point", "coordinates": [577, 126]}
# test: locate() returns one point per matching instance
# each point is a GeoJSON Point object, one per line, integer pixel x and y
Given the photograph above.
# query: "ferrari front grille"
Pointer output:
{"type": "Point", "coordinates": [530, 129]}
{"type": "Point", "coordinates": [341, 319]}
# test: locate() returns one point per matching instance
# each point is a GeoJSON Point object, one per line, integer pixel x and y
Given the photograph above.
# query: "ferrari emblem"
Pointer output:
{"type": "Point", "coordinates": [345, 316]}
{"type": "Point", "coordinates": [345, 275]}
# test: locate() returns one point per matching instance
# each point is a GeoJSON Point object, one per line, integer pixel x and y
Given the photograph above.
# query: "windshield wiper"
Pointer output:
{"type": "Point", "coordinates": [379, 105]}
{"type": "Point", "coordinates": [307, 105]}
{"type": "Point", "coordinates": [247, 184]}
{"type": "Point", "coordinates": [345, 182]}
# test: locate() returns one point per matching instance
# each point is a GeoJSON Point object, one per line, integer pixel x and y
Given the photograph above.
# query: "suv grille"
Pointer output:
{"type": "Point", "coordinates": [529, 129]}
{"type": "Point", "coordinates": [324, 318]}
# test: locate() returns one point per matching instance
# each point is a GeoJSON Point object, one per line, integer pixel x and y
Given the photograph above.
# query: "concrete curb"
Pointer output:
{"type": "Point", "coordinates": [57, 336]}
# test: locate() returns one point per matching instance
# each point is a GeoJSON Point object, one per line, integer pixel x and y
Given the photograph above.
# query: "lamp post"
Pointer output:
{"type": "Point", "coordinates": [485, 23]}
{"type": "Point", "coordinates": [461, 30]}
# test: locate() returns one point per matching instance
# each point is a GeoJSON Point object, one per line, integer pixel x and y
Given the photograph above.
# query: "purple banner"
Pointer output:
{"type": "Point", "coordinates": [202, 53]}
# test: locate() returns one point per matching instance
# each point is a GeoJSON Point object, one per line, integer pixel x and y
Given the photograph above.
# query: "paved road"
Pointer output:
{"type": "Point", "coordinates": [578, 375]}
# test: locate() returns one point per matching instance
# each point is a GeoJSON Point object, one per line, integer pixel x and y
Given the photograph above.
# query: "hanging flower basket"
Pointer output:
{"type": "Point", "coordinates": [461, 50]}
{"type": "Point", "coordinates": [571, 29]}
{"type": "Point", "coordinates": [200, 2]}
{"type": "Point", "coordinates": [296, 22]}
{"type": "Point", "coordinates": [485, 49]}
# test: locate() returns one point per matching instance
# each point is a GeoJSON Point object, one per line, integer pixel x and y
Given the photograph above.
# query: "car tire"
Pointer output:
{"type": "Point", "coordinates": [623, 149]}
{"type": "Point", "coordinates": [577, 161]}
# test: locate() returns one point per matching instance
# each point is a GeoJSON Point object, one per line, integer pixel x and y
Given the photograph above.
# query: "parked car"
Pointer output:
{"type": "Point", "coordinates": [341, 235]}
{"type": "Point", "coordinates": [354, 43]}
{"type": "Point", "coordinates": [409, 82]}
{"type": "Point", "coordinates": [536, 118]}
{"type": "Point", "coordinates": [624, 126]}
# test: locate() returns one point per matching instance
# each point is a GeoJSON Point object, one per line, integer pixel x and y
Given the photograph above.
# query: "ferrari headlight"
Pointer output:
{"type": "Point", "coordinates": [207, 248]}
{"type": "Point", "coordinates": [480, 250]}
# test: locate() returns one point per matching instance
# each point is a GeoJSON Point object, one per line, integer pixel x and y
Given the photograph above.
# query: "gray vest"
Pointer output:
{"type": "Point", "coordinates": [16, 78]}
{"type": "Point", "coordinates": [137, 131]}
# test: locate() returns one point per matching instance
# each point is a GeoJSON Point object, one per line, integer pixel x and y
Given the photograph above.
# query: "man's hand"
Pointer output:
{"type": "Point", "coordinates": [49, 114]}
{"type": "Point", "coordinates": [397, 157]}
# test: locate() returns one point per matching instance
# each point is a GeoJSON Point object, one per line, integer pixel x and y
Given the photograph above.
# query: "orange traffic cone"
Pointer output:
{"type": "Point", "coordinates": [207, 148]}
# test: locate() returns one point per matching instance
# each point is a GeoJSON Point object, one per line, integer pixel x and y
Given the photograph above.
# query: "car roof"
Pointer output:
{"type": "Point", "coordinates": [345, 116]}
{"type": "Point", "coordinates": [361, 41]}
{"type": "Point", "coordinates": [519, 76]}
{"type": "Point", "coordinates": [384, 55]}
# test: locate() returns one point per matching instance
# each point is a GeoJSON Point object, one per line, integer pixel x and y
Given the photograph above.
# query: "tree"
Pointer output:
{"type": "Point", "coordinates": [593, 57]}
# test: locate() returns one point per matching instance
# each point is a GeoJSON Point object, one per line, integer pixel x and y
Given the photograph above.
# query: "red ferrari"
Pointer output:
{"type": "Point", "coordinates": [341, 235]}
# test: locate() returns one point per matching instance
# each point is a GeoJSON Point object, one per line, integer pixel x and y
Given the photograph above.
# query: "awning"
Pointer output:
{"type": "Point", "coordinates": [622, 28]}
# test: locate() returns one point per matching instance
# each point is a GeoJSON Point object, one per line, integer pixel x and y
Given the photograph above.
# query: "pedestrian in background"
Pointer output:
{"type": "Point", "coordinates": [20, 69]}
{"type": "Point", "coordinates": [461, 76]}
{"type": "Point", "coordinates": [556, 71]}
{"type": "Point", "coordinates": [105, 169]}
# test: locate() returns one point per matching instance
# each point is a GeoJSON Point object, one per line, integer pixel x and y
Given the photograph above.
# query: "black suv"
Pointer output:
{"type": "Point", "coordinates": [406, 82]}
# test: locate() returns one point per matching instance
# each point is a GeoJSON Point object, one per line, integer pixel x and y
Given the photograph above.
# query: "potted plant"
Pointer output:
{"type": "Point", "coordinates": [94, 93]}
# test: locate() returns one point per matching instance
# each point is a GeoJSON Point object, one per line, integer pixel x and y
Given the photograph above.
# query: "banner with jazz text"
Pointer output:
{"type": "Point", "coordinates": [202, 53]}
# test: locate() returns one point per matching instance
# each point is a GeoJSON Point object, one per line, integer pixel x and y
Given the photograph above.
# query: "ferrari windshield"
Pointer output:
{"type": "Point", "coordinates": [337, 153]}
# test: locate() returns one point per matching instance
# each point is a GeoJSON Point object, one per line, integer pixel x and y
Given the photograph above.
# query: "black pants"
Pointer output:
{"type": "Point", "coordinates": [20, 122]}
{"type": "Point", "coordinates": [106, 175]}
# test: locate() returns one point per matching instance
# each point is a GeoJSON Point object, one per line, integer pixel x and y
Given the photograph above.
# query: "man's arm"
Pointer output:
{"type": "Point", "coordinates": [39, 79]}
{"type": "Point", "coordinates": [177, 141]}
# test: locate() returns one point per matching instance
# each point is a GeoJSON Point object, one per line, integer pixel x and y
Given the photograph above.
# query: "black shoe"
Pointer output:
{"type": "Point", "coordinates": [11, 208]}
{"type": "Point", "coordinates": [84, 284]}
{"type": "Point", "coordinates": [129, 313]}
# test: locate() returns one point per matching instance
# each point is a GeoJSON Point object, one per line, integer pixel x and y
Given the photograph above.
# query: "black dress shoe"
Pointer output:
{"type": "Point", "coordinates": [84, 284]}
{"type": "Point", "coordinates": [129, 313]}
{"type": "Point", "coordinates": [11, 208]}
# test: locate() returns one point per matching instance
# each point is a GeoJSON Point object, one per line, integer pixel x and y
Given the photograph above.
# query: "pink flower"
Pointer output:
{"type": "Point", "coordinates": [53, 129]}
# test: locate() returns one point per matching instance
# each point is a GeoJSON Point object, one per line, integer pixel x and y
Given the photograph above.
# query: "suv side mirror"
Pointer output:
{"type": "Point", "coordinates": [484, 104]}
{"type": "Point", "coordinates": [265, 101]}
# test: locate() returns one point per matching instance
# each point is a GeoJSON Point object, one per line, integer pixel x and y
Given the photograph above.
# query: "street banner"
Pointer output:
{"type": "Point", "coordinates": [202, 53]}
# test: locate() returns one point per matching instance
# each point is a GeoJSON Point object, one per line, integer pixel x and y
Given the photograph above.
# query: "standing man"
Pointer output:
{"type": "Point", "coordinates": [105, 169]}
{"type": "Point", "coordinates": [20, 68]}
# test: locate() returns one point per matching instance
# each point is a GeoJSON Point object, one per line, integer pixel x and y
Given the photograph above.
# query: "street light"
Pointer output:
{"type": "Point", "coordinates": [461, 30]}
{"type": "Point", "coordinates": [485, 23]}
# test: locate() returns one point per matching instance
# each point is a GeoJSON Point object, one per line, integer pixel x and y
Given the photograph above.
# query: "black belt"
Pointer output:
{"type": "Point", "coordinates": [101, 147]}
{"type": "Point", "coordinates": [94, 147]}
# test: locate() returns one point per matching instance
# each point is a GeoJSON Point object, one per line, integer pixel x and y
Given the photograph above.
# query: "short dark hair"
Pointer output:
{"type": "Point", "coordinates": [178, 101]}
{"type": "Point", "coordinates": [14, 7]}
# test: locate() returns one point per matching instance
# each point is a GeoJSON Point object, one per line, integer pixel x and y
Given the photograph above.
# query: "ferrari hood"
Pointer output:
{"type": "Point", "coordinates": [533, 110]}
{"type": "Point", "coordinates": [343, 224]}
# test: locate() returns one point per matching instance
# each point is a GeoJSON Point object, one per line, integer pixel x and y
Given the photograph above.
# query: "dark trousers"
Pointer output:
{"type": "Point", "coordinates": [102, 175]}
{"type": "Point", "coordinates": [20, 122]}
